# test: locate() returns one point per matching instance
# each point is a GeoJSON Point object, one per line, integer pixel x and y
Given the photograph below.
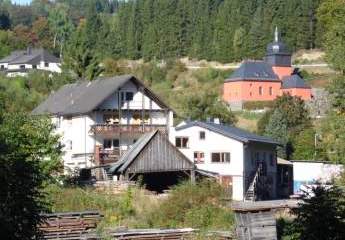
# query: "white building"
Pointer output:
{"type": "Point", "coordinates": [246, 162]}
{"type": "Point", "coordinates": [100, 120]}
{"type": "Point", "coordinates": [318, 172]}
{"type": "Point", "coordinates": [23, 61]}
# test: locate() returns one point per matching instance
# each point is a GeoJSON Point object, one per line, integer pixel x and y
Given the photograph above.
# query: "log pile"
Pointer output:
{"type": "Point", "coordinates": [68, 225]}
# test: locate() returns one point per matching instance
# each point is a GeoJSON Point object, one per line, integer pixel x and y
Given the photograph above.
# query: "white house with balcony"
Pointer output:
{"type": "Point", "coordinates": [100, 120]}
{"type": "Point", "coordinates": [23, 61]}
{"type": "Point", "coordinates": [246, 163]}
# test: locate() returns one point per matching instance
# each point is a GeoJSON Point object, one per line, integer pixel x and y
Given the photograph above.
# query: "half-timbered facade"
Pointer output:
{"type": "Point", "coordinates": [100, 120]}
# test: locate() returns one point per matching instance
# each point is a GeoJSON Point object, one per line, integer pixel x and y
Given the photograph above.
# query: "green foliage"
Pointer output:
{"type": "Point", "coordinates": [321, 215]}
{"type": "Point", "coordinates": [333, 137]}
{"type": "Point", "coordinates": [287, 118]}
{"type": "Point", "coordinates": [196, 206]}
{"type": "Point", "coordinates": [337, 91]}
{"type": "Point", "coordinates": [188, 205]}
{"type": "Point", "coordinates": [304, 145]}
{"type": "Point", "coordinates": [29, 156]}
{"type": "Point", "coordinates": [254, 105]}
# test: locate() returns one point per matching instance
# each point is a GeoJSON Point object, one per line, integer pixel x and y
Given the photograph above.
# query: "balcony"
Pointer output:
{"type": "Point", "coordinates": [105, 129]}
{"type": "Point", "coordinates": [106, 156]}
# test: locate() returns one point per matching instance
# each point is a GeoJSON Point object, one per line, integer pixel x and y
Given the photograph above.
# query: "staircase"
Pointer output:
{"type": "Point", "coordinates": [251, 194]}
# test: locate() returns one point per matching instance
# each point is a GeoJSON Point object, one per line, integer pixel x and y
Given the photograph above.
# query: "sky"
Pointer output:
{"type": "Point", "coordinates": [21, 1]}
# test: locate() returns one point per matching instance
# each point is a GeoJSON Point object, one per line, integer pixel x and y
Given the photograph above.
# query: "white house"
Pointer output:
{"type": "Point", "coordinates": [102, 119]}
{"type": "Point", "coordinates": [21, 62]}
{"type": "Point", "coordinates": [246, 162]}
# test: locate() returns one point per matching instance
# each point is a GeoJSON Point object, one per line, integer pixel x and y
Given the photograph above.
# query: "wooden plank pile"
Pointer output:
{"type": "Point", "coordinates": [69, 224]}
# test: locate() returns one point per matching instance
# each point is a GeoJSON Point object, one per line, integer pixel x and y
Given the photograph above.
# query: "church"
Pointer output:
{"type": "Point", "coordinates": [264, 80]}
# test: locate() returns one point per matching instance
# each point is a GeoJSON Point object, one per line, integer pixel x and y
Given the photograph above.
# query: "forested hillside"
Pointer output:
{"type": "Point", "coordinates": [222, 30]}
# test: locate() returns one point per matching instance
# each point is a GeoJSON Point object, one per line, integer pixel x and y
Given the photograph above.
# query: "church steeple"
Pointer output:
{"type": "Point", "coordinates": [276, 35]}
{"type": "Point", "coordinates": [277, 53]}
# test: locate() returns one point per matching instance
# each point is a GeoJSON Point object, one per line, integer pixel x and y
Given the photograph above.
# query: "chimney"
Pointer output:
{"type": "Point", "coordinates": [28, 50]}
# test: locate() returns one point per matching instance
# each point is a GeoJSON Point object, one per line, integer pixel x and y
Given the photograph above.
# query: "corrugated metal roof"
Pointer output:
{"type": "Point", "coordinates": [294, 81]}
{"type": "Point", "coordinates": [253, 70]}
{"type": "Point", "coordinates": [229, 131]}
{"type": "Point", "coordinates": [84, 97]}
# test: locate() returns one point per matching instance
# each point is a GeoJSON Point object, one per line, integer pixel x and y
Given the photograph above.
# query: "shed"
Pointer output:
{"type": "Point", "coordinates": [154, 161]}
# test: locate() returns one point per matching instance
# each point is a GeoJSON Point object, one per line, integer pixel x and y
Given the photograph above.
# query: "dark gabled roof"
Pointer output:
{"type": "Point", "coordinates": [294, 81]}
{"type": "Point", "coordinates": [12, 56]}
{"type": "Point", "coordinates": [229, 131]}
{"type": "Point", "coordinates": [253, 70]}
{"type": "Point", "coordinates": [84, 97]}
{"type": "Point", "coordinates": [30, 56]}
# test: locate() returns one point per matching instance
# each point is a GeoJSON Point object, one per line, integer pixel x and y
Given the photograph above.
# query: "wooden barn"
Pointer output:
{"type": "Point", "coordinates": [155, 162]}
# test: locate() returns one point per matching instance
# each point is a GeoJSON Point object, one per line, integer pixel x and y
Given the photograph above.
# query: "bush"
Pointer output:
{"type": "Point", "coordinates": [198, 206]}
{"type": "Point", "coordinates": [254, 105]}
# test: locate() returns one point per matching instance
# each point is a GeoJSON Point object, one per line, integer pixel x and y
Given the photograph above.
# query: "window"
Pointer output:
{"type": "Point", "coordinates": [271, 91]}
{"type": "Point", "coordinates": [116, 143]}
{"type": "Point", "coordinates": [107, 143]}
{"type": "Point", "coordinates": [181, 142]}
{"type": "Point", "coordinates": [34, 66]}
{"type": "Point", "coordinates": [22, 66]}
{"type": "Point", "coordinates": [220, 157]}
{"type": "Point", "coordinates": [202, 135]}
{"type": "Point", "coordinates": [46, 64]}
{"type": "Point", "coordinates": [199, 157]}
{"type": "Point", "coordinates": [127, 96]}
{"type": "Point", "coordinates": [111, 143]}
{"type": "Point", "coordinates": [2, 67]}
{"type": "Point", "coordinates": [260, 91]}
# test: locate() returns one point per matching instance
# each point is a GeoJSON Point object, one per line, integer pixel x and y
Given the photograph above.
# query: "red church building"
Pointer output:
{"type": "Point", "coordinates": [264, 80]}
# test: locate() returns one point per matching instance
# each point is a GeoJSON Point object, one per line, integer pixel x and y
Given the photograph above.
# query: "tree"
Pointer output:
{"type": "Point", "coordinates": [42, 31]}
{"type": "Point", "coordinates": [288, 117]}
{"type": "Point", "coordinates": [79, 56]}
{"type": "Point", "coordinates": [27, 148]}
{"type": "Point", "coordinates": [5, 22]}
{"type": "Point", "coordinates": [321, 215]}
{"type": "Point", "coordinates": [277, 129]}
{"type": "Point", "coordinates": [333, 137]}
{"type": "Point", "coordinates": [205, 105]}
{"type": "Point", "coordinates": [61, 26]}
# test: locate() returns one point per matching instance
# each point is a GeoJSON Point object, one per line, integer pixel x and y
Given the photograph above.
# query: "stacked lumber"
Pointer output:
{"type": "Point", "coordinates": [69, 224]}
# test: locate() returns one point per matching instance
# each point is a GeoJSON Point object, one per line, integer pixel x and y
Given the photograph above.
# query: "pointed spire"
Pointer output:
{"type": "Point", "coordinates": [276, 35]}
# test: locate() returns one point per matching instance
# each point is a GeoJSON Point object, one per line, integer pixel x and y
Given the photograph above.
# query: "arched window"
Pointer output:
{"type": "Point", "coordinates": [271, 91]}
{"type": "Point", "coordinates": [260, 91]}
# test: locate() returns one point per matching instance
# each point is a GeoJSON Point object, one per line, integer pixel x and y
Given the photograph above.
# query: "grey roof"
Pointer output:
{"type": "Point", "coordinates": [30, 56]}
{"type": "Point", "coordinates": [12, 56]}
{"type": "Point", "coordinates": [253, 70]}
{"type": "Point", "coordinates": [294, 81]}
{"type": "Point", "coordinates": [132, 153]}
{"type": "Point", "coordinates": [84, 97]}
{"type": "Point", "coordinates": [277, 48]}
{"type": "Point", "coordinates": [229, 131]}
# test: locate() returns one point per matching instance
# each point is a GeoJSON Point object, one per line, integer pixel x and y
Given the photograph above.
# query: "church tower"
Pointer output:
{"type": "Point", "coordinates": [279, 57]}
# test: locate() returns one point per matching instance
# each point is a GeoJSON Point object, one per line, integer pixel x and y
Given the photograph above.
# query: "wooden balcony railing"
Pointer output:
{"type": "Point", "coordinates": [106, 156]}
{"type": "Point", "coordinates": [116, 128]}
